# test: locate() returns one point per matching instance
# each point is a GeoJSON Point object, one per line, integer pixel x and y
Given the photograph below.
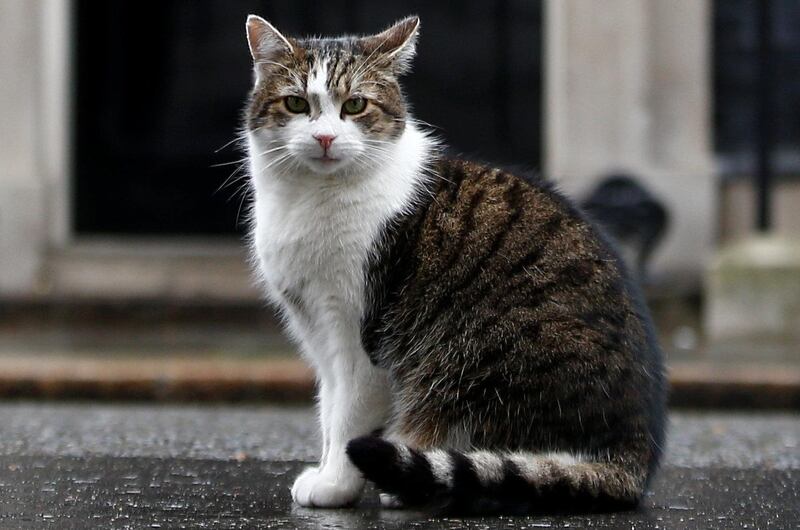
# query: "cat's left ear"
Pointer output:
{"type": "Point", "coordinates": [398, 43]}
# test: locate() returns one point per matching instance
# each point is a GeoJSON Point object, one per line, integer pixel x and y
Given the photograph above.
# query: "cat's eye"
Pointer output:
{"type": "Point", "coordinates": [354, 106]}
{"type": "Point", "coordinates": [296, 104]}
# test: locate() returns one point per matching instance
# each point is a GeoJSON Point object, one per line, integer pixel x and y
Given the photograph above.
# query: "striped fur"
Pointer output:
{"type": "Point", "coordinates": [509, 324]}
{"type": "Point", "coordinates": [493, 482]}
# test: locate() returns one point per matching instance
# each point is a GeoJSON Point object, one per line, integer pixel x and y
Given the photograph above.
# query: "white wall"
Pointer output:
{"type": "Point", "coordinates": [628, 88]}
{"type": "Point", "coordinates": [23, 222]}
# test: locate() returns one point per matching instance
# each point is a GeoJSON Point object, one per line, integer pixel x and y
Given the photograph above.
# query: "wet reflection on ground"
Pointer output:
{"type": "Point", "coordinates": [101, 492]}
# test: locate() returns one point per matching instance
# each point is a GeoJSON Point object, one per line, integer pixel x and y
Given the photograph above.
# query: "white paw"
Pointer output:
{"type": "Point", "coordinates": [391, 502]}
{"type": "Point", "coordinates": [315, 488]}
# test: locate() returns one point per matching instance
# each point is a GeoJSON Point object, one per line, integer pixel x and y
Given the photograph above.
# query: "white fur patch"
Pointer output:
{"type": "Point", "coordinates": [530, 464]}
{"type": "Point", "coordinates": [318, 86]}
{"type": "Point", "coordinates": [403, 454]}
{"type": "Point", "coordinates": [563, 459]}
{"type": "Point", "coordinates": [317, 80]}
{"type": "Point", "coordinates": [488, 466]}
{"type": "Point", "coordinates": [441, 466]}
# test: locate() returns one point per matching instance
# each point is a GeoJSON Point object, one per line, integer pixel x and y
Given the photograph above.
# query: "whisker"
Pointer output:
{"type": "Point", "coordinates": [223, 164]}
{"type": "Point", "coordinates": [239, 210]}
{"type": "Point", "coordinates": [239, 138]}
{"type": "Point", "coordinates": [227, 182]}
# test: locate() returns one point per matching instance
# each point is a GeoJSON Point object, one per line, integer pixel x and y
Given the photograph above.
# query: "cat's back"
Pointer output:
{"type": "Point", "coordinates": [491, 249]}
{"type": "Point", "coordinates": [488, 223]}
{"type": "Point", "coordinates": [504, 278]}
{"type": "Point", "coordinates": [495, 258]}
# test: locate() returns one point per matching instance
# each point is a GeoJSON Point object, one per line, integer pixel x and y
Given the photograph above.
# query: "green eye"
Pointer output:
{"type": "Point", "coordinates": [354, 105]}
{"type": "Point", "coordinates": [296, 104]}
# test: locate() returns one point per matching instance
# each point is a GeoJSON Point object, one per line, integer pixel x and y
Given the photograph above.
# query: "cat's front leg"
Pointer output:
{"type": "Point", "coordinates": [324, 405]}
{"type": "Point", "coordinates": [356, 403]}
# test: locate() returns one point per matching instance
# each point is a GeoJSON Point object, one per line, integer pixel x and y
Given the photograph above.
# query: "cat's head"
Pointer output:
{"type": "Point", "coordinates": [326, 105]}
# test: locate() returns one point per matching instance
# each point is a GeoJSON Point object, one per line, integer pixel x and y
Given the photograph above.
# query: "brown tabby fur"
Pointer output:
{"type": "Point", "coordinates": [506, 321]}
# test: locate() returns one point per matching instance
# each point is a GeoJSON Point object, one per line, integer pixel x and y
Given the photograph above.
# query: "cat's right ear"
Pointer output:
{"type": "Point", "coordinates": [266, 42]}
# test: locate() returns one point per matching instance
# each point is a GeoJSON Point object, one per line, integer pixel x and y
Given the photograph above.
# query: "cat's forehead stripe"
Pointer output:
{"type": "Point", "coordinates": [317, 87]}
{"type": "Point", "coordinates": [317, 78]}
{"type": "Point", "coordinates": [338, 61]}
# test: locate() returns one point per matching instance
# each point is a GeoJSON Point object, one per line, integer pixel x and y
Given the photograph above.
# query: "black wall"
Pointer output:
{"type": "Point", "coordinates": [160, 85]}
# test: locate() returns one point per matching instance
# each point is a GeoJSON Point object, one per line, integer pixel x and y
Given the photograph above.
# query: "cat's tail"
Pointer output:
{"type": "Point", "coordinates": [490, 482]}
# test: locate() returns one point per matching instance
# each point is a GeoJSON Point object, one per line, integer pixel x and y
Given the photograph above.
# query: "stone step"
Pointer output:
{"type": "Point", "coordinates": [208, 378]}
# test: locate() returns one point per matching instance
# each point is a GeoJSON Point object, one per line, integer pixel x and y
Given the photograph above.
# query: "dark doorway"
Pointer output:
{"type": "Point", "coordinates": [160, 87]}
{"type": "Point", "coordinates": [736, 70]}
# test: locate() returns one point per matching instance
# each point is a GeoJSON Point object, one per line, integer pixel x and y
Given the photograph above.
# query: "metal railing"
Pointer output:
{"type": "Point", "coordinates": [764, 117]}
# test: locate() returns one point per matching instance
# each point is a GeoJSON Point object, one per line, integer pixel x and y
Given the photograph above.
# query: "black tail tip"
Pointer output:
{"type": "Point", "coordinates": [371, 454]}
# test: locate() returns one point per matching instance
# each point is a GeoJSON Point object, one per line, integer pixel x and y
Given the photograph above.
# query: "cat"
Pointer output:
{"type": "Point", "coordinates": [477, 343]}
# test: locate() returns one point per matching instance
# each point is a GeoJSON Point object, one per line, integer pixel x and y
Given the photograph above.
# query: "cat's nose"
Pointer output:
{"type": "Point", "coordinates": [325, 140]}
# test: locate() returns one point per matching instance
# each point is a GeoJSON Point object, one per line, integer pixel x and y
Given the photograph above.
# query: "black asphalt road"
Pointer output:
{"type": "Point", "coordinates": [117, 466]}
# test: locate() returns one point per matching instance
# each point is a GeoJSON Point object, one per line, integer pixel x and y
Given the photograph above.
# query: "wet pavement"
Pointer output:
{"type": "Point", "coordinates": [136, 466]}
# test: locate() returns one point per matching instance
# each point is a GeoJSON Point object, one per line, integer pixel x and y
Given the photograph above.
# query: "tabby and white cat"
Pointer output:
{"type": "Point", "coordinates": [477, 343]}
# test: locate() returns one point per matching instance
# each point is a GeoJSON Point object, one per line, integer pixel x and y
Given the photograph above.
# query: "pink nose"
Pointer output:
{"type": "Point", "coordinates": [325, 140]}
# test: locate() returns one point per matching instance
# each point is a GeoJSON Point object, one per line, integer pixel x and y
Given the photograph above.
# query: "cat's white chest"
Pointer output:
{"type": "Point", "coordinates": [314, 238]}
{"type": "Point", "coordinates": [313, 247]}
{"type": "Point", "coordinates": [312, 251]}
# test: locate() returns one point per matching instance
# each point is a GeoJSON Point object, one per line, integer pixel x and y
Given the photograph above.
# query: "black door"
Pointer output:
{"type": "Point", "coordinates": [160, 86]}
{"type": "Point", "coordinates": [735, 70]}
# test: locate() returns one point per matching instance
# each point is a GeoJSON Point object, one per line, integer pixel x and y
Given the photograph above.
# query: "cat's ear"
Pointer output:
{"type": "Point", "coordinates": [266, 42]}
{"type": "Point", "coordinates": [398, 43]}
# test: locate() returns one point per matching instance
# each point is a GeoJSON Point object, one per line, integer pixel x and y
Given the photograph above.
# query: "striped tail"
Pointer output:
{"type": "Point", "coordinates": [492, 482]}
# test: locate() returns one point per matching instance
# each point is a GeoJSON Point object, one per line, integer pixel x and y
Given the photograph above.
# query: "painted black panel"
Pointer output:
{"type": "Point", "coordinates": [160, 86]}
